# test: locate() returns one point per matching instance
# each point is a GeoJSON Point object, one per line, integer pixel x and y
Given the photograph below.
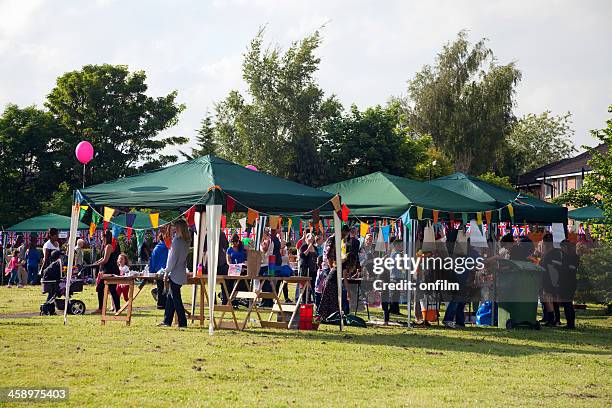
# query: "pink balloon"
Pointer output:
{"type": "Point", "coordinates": [84, 152]}
{"type": "Point", "coordinates": [251, 167]}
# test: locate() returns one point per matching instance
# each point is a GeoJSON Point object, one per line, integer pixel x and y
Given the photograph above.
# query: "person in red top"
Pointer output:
{"type": "Point", "coordinates": [13, 269]}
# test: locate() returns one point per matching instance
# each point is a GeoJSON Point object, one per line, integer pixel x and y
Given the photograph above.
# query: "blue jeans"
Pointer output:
{"type": "Point", "coordinates": [455, 313]}
{"type": "Point", "coordinates": [14, 277]}
{"type": "Point", "coordinates": [33, 275]}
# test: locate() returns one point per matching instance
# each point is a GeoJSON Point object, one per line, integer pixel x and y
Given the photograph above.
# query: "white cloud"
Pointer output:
{"type": "Point", "coordinates": [369, 50]}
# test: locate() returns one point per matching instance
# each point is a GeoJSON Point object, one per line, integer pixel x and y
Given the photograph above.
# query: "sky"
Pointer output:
{"type": "Point", "coordinates": [370, 48]}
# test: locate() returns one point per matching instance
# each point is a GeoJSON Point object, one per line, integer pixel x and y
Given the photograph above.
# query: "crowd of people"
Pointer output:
{"type": "Point", "coordinates": [314, 256]}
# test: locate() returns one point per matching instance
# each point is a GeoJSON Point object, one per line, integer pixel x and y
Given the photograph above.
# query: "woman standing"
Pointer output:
{"type": "Point", "coordinates": [33, 261]}
{"type": "Point", "coordinates": [308, 264]}
{"type": "Point", "coordinates": [176, 274]}
{"type": "Point", "coordinates": [108, 266]}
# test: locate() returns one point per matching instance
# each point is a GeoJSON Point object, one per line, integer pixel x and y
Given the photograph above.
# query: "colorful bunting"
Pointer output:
{"type": "Point", "coordinates": [464, 218]}
{"type": "Point", "coordinates": [108, 213]}
{"type": "Point", "coordinates": [273, 221]}
{"type": "Point", "coordinates": [252, 215]}
{"type": "Point", "coordinates": [243, 222]}
{"type": "Point", "coordinates": [345, 213]}
{"type": "Point", "coordinates": [128, 233]}
{"type": "Point", "coordinates": [479, 218]}
{"type": "Point", "coordinates": [419, 213]}
{"type": "Point", "coordinates": [129, 220]}
{"type": "Point", "coordinates": [154, 217]}
{"type": "Point", "coordinates": [139, 238]}
{"type": "Point", "coordinates": [511, 211]}
{"type": "Point", "coordinates": [190, 216]}
{"type": "Point", "coordinates": [385, 232]}
{"type": "Point", "coordinates": [92, 229]}
{"type": "Point", "coordinates": [406, 218]}
{"type": "Point", "coordinates": [223, 221]}
{"type": "Point", "coordinates": [116, 231]}
{"type": "Point", "coordinates": [320, 226]}
{"type": "Point", "coordinates": [315, 217]}
{"type": "Point", "coordinates": [167, 241]}
{"type": "Point", "coordinates": [289, 224]}
{"type": "Point", "coordinates": [82, 211]}
{"type": "Point", "coordinates": [336, 203]}
{"type": "Point", "coordinates": [435, 216]}
{"type": "Point", "coordinates": [488, 217]}
{"type": "Point", "coordinates": [363, 229]}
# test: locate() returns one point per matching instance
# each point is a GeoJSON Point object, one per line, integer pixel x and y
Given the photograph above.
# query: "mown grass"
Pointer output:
{"type": "Point", "coordinates": [143, 365]}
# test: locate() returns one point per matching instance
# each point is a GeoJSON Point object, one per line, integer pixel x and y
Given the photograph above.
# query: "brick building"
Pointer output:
{"type": "Point", "coordinates": [548, 181]}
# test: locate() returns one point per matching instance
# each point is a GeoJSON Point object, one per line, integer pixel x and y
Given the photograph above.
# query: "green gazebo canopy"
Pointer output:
{"type": "Point", "coordinates": [526, 209]}
{"type": "Point", "coordinates": [44, 222]}
{"type": "Point", "coordinates": [204, 181]}
{"type": "Point", "coordinates": [384, 195]}
{"type": "Point", "coordinates": [587, 213]}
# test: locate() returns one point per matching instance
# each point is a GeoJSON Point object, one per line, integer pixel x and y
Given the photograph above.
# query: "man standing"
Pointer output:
{"type": "Point", "coordinates": [567, 282]}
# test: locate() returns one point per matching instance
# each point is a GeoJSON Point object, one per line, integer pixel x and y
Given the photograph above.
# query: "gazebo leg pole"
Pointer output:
{"type": "Point", "coordinates": [338, 239]}
{"type": "Point", "coordinates": [198, 243]}
{"type": "Point", "coordinates": [213, 223]}
{"type": "Point", "coordinates": [74, 219]}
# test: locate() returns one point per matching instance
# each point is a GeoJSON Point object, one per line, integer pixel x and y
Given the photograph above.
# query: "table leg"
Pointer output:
{"type": "Point", "coordinates": [131, 300]}
{"type": "Point", "coordinates": [129, 303]}
{"type": "Point", "coordinates": [104, 303]}
{"type": "Point", "coordinates": [304, 291]}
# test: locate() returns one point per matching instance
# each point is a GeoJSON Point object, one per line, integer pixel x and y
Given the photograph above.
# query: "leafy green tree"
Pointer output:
{"type": "Point", "coordinates": [60, 200]}
{"type": "Point", "coordinates": [279, 127]}
{"type": "Point", "coordinates": [362, 142]}
{"type": "Point", "coordinates": [465, 101]}
{"type": "Point", "coordinates": [108, 106]}
{"type": "Point", "coordinates": [600, 181]}
{"type": "Point", "coordinates": [502, 181]}
{"type": "Point", "coordinates": [433, 163]}
{"type": "Point", "coordinates": [205, 140]}
{"type": "Point", "coordinates": [576, 198]}
{"type": "Point", "coordinates": [537, 140]}
{"type": "Point", "coordinates": [28, 173]}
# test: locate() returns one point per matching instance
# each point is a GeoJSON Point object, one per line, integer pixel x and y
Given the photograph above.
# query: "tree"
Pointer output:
{"type": "Point", "coordinates": [363, 142]}
{"type": "Point", "coordinates": [464, 101]}
{"type": "Point", "coordinates": [492, 178]}
{"type": "Point", "coordinates": [576, 198]}
{"type": "Point", "coordinates": [60, 201]}
{"type": "Point", "coordinates": [537, 140]}
{"type": "Point", "coordinates": [205, 140]}
{"type": "Point", "coordinates": [600, 181]}
{"type": "Point", "coordinates": [28, 173]}
{"type": "Point", "coordinates": [108, 106]}
{"type": "Point", "coordinates": [433, 163]}
{"type": "Point", "coordinates": [279, 126]}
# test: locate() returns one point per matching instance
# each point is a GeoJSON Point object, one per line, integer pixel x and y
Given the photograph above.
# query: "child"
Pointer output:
{"type": "Point", "coordinates": [124, 269]}
{"type": "Point", "coordinates": [13, 269]}
{"type": "Point", "coordinates": [79, 254]}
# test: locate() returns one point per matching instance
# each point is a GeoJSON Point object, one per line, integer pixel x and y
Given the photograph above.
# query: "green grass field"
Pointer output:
{"type": "Point", "coordinates": [143, 365]}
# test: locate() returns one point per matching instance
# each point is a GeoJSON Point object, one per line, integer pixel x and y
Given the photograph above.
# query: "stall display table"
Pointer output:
{"type": "Point", "coordinates": [227, 319]}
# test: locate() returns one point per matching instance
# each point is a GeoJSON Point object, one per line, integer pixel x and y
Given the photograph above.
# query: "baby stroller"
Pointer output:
{"type": "Point", "coordinates": [56, 291]}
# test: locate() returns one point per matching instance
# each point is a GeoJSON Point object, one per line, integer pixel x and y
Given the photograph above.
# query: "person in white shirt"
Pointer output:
{"type": "Point", "coordinates": [52, 244]}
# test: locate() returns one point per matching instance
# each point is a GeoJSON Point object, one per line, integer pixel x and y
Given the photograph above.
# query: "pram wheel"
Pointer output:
{"type": "Point", "coordinates": [77, 307]}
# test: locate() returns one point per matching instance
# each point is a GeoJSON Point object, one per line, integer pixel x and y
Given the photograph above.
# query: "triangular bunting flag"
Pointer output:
{"type": "Point", "coordinates": [167, 241]}
{"type": "Point", "coordinates": [92, 229]}
{"type": "Point", "coordinates": [190, 216]}
{"type": "Point", "coordinates": [419, 213]}
{"type": "Point", "coordinates": [108, 213]}
{"type": "Point", "coordinates": [139, 238]}
{"type": "Point", "coordinates": [289, 224]}
{"type": "Point", "coordinates": [479, 218]}
{"type": "Point", "coordinates": [154, 217]}
{"type": "Point", "coordinates": [345, 213]}
{"type": "Point", "coordinates": [336, 203]}
{"type": "Point", "coordinates": [385, 232]}
{"type": "Point", "coordinates": [129, 220]}
{"type": "Point", "coordinates": [243, 223]}
{"type": "Point", "coordinates": [363, 229]}
{"type": "Point", "coordinates": [251, 217]}
{"type": "Point", "coordinates": [273, 221]}
{"type": "Point", "coordinates": [511, 211]}
{"type": "Point", "coordinates": [435, 216]}
{"type": "Point", "coordinates": [128, 233]}
{"type": "Point", "coordinates": [406, 218]}
{"type": "Point", "coordinates": [488, 217]}
{"type": "Point", "coordinates": [223, 221]}
{"type": "Point", "coordinates": [82, 211]}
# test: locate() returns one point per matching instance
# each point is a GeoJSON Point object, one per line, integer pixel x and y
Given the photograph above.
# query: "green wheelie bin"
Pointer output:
{"type": "Point", "coordinates": [518, 285]}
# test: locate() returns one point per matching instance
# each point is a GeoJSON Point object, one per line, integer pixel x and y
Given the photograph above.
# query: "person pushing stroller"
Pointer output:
{"type": "Point", "coordinates": [51, 276]}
